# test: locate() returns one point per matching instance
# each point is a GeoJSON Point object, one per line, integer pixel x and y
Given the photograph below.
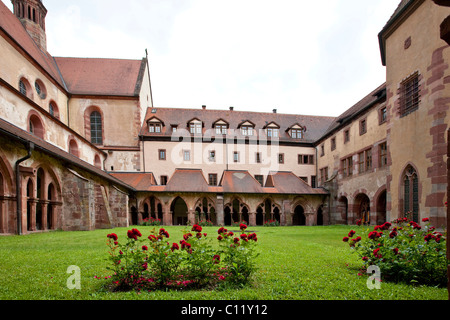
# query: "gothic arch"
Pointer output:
{"type": "Point", "coordinates": [410, 192]}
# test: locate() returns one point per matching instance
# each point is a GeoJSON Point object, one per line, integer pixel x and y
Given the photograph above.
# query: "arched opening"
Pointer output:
{"type": "Point", "coordinates": [73, 148]}
{"type": "Point", "coordinates": [97, 162]}
{"type": "Point", "coordinates": [227, 216]}
{"type": "Point", "coordinates": [40, 187]}
{"type": "Point", "coordinates": [29, 207]}
{"type": "Point", "coordinates": [320, 216]}
{"type": "Point", "coordinates": [362, 208]}
{"type": "Point", "coordinates": [411, 194]}
{"type": "Point", "coordinates": [145, 214]}
{"type": "Point", "coordinates": [245, 216]}
{"type": "Point", "coordinates": [50, 207]}
{"type": "Point", "coordinates": [134, 216]}
{"type": "Point", "coordinates": [259, 216]}
{"type": "Point", "coordinates": [35, 126]}
{"type": "Point", "coordinates": [205, 211]}
{"type": "Point", "coordinates": [179, 212]}
{"type": "Point", "coordinates": [343, 209]}
{"type": "Point", "coordinates": [25, 88]}
{"type": "Point", "coordinates": [235, 211]}
{"type": "Point", "coordinates": [53, 109]}
{"type": "Point", "coordinates": [381, 208]}
{"type": "Point", "coordinates": [299, 218]}
{"type": "Point", "coordinates": [2, 194]}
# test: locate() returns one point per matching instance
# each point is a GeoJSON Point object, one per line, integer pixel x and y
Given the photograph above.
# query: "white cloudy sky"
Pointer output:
{"type": "Point", "coordinates": [297, 56]}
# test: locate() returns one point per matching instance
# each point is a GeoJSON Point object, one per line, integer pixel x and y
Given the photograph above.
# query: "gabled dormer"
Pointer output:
{"type": "Point", "coordinates": [296, 131]}
{"type": "Point", "coordinates": [221, 127]}
{"type": "Point", "coordinates": [272, 129]}
{"type": "Point", "coordinates": [155, 125]}
{"type": "Point", "coordinates": [247, 128]}
{"type": "Point", "coordinates": [195, 126]}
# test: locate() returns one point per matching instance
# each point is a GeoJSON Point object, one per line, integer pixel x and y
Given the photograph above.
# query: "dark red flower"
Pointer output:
{"type": "Point", "coordinates": [242, 226]}
{"type": "Point", "coordinates": [236, 240]}
{"type": "Point", "coordinates": [395, 250]}
{"type": "Point", "coordinates": [222, 230]}
{"type": "Point", "coordinates": [345, 239]}
{"type": "Point", "coordinates": [351, 233]}
{"type": "Point", "coordinates": [216, 259]}
{"type": "Point", "coordinates": [145, 248]}
{"type": "Point", "coordinates": [393, 234]}
{"type": "Point", "coordinates": [112, 236]}
{"type": "Point", "coordinates": [425, 219]}
{"type": "Point", "coordinates": [175, 247]}
{"type": "Point", "coordinates": [163, 232]}
{"type": "Point", "coordinates": [196, 228]}
{"type": "Point", "coordinates": [252, 236]}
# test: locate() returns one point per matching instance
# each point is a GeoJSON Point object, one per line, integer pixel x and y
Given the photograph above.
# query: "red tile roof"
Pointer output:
{"type": "Point", "coordinates": [91, 76]}
{"type": "Point", "coordinates": [14, 28]}
{"type": "Point", "coordinates": [315, 125]}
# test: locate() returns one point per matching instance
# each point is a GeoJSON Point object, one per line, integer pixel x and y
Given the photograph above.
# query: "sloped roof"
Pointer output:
{"type": "Point", "coordinates": [289, 183]}
{"type": "Point", "coordinates": [377, 95]}
{"type": "Point", "coordinates": [239, 182]}
{"type": "Point", "coordinates": [14, 28]}
{"type": "Point", "coordinates": [187, 180]}
{"type": "Point", "coordinates": [139, 181]}
{"type": "Point", "coordinates": [22, 136]}
{"type": "Point", "coordinates": [93, 76]}
{"type": "Point", "coordinates": [315, 125]}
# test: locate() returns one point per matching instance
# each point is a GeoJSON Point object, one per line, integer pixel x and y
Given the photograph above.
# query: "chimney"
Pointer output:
{"type": "Point", "coordinates": [203, 107]}
{"type": "Point", "coordinates": [231, 108]}
{"type": "Point", "coordinates": [274, 110]}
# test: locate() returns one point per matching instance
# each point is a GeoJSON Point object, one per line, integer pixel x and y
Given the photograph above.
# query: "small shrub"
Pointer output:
{"type": "Point", "coordinates": [151, 222]}
{"type": "Point", "coordinates": [272, 223]}
{"type": "Point", "coordinates": [404, 251]}
{"type": "Point", "coordinates": [157, 263]}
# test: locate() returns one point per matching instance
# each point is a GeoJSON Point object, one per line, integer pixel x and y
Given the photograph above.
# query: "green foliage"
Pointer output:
{"type": "Point", "coordinates": [404, 251]}
{"type": "Point", "coordinates": [146, 265]}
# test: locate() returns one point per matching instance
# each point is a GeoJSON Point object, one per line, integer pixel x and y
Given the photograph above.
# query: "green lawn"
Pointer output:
{"type": "Point", "coordinates": [295, 263]}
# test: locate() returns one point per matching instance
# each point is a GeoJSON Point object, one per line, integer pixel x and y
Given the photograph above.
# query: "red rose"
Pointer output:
{"type": "Point", "coordinates": [395, 250]}
{"type": "Point", "coordinates": [112, 236]}
{"type": "Point", "coordinates": [175, 247]}
{"type": "Point", "coordinates": [242, 226]}
{"type": "Point", "coordinates": [236, 240]}
{"type": "Point", "coordinates": [196, 228]}
{"type": "Point", "coordinates": [222, 230]}
{"type": "Point", "coordinates": [351, 233]}
{"type": "Point", "coordinates": [345, 239]}
{"type": "Point", "coordinates": [145, 248]}
{"type": "Point", "coordinates": [216, 259]}
{"type": "Point", "coordinates": [425, 220]}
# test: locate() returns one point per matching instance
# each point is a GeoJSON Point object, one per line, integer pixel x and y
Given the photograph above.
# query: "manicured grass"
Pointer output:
{"type": "Point", "coordinates": [295, 263]}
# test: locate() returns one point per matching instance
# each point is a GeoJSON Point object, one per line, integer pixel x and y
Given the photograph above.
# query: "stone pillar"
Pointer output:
{"type": "Point", "coordinates": [252, 218]}
{"type": "Point", "coordinates": [44, 206]}
{"type": "Point", "coordinates": [191, 216]}
{"type": "Point", "coordinates": [32, 226]}
{"type": "Point", "coordinates": [219, 210]}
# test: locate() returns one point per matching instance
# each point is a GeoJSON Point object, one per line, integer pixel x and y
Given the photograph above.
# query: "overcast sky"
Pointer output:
{"type": "Point", "coordinates": [297, 56]}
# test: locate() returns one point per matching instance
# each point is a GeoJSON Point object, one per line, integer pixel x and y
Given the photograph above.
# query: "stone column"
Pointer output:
{"type": "Point", "coordinates": [219, 210]}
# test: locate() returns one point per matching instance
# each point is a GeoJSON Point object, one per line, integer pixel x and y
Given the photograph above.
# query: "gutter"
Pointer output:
{"type": "Point", "coordinates": [30, 148]}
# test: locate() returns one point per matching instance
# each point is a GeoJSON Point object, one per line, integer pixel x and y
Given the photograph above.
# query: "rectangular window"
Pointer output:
{"type": "Point", "coordinates": [346, 135]}
{"type": "Point", "coordinates": [383, 154]}
{"type": "Point", "coordinates": [247, 130]}
{"type": "Point", "coordinates": [162, 154]}
{"type": "Point", "coordinates": [383, 115]}
{"type": "Point", "coordinates": [323, 175]}
{"type": "Point", "coordinates": [212, 179]}
{"type": "Point", "coordinates": [362, 127]}
{"type": "Point", "coordinates": [305, 159]}
{"type": "Point", "coordinates": [236, 156]}
{"type": "Point", "coordinates": [212, 156]}
{"type": "Point", "coordinates": [361, 165]}
{"type": "Point", "coordinates": [195, 128]}
{"type": "Point", "coordinates": [347, 167]}
{"type": "Point", "coordinates": [163, 180]}
{"type": "Point", "coordinates": [322, 150]}
{"type": "Point", "coordinates": [297, 133]}
{"type": "Point", "coordinates": [313, 181]}
{"type": "Point", "coordinates": [154, 127]}
{"type": "Point", "coordinates": [272, 132]}
{"type": "Point", "coordinates": [221, 129]}
{"type": "Point", "coordinates": [333, 144]}
{"type": "Point", "coordinates": [258, 157]}
{"type": "Point", "coordinates": [260, 179]}
{"type": "Point", "coordinates": [368, 160]}
{"type": "Point", "coordinates": [304, 179]}
{"type": "Point", "coordinates": [187, 155]}
{"type": "Point", "coordinates": [409, 94]}
{"type": "Point", "coordinates": [281, 158]}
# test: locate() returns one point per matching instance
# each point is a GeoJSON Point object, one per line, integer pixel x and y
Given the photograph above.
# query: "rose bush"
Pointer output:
{"type": "Point", "coordinates": [403, 250]}
{"type": "Point", "coordinates": [155, 262]}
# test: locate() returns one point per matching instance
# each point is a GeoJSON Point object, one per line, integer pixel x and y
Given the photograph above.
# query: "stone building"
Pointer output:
{"type": "Point", "coordinates": [64, 164]}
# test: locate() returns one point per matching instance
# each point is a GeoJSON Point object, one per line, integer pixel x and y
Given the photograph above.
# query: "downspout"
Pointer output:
{"type": "Point", "coordinates": [30, 148]}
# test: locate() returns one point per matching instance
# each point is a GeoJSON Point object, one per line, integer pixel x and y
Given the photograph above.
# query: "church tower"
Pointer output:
{"type": "Point", "coordinates": [32, 15]}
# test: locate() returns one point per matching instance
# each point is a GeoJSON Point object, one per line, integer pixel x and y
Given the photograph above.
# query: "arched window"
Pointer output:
{"type": "Point", "coordinates": [53, 109]}
{"type": "Point", "coordinates": [96, 128]}
{"type": "Point", "coordinates": [411, 194]}
{"type": "Point", "coordinates": [25, 88]}
{"type": "Point", "coordinates": [73, 148]}
{"type": "Point", "coordinates": [35, 126]}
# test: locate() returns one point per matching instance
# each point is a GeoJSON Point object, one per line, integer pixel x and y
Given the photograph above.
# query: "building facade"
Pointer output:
{"type": "Point", "coordinates": [83, 147]}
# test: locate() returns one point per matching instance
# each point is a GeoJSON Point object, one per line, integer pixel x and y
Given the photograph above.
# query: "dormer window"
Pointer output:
{"type": "Point", "coordinates": [155, 125]}
{"type": "Point", "coordinates": [195, 126]}
{"type": "Point", "coordinates": [221, 127]}
{"type": "Point", "coordinates": [297, 133]}
{"type": "Point", "coordinates": [247, 128]}
{"type": "Point", "coordinates": [273, 132]}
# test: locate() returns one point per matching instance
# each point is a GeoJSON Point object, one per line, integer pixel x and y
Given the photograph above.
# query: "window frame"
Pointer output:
{"type": "Point", "coordinates": [409, 92]}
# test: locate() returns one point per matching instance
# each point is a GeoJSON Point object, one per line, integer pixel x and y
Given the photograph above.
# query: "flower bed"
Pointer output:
{"type": "Point", "coordinates": [403, 250]}
{"type": "Point", "coordinates": [155, 263]}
